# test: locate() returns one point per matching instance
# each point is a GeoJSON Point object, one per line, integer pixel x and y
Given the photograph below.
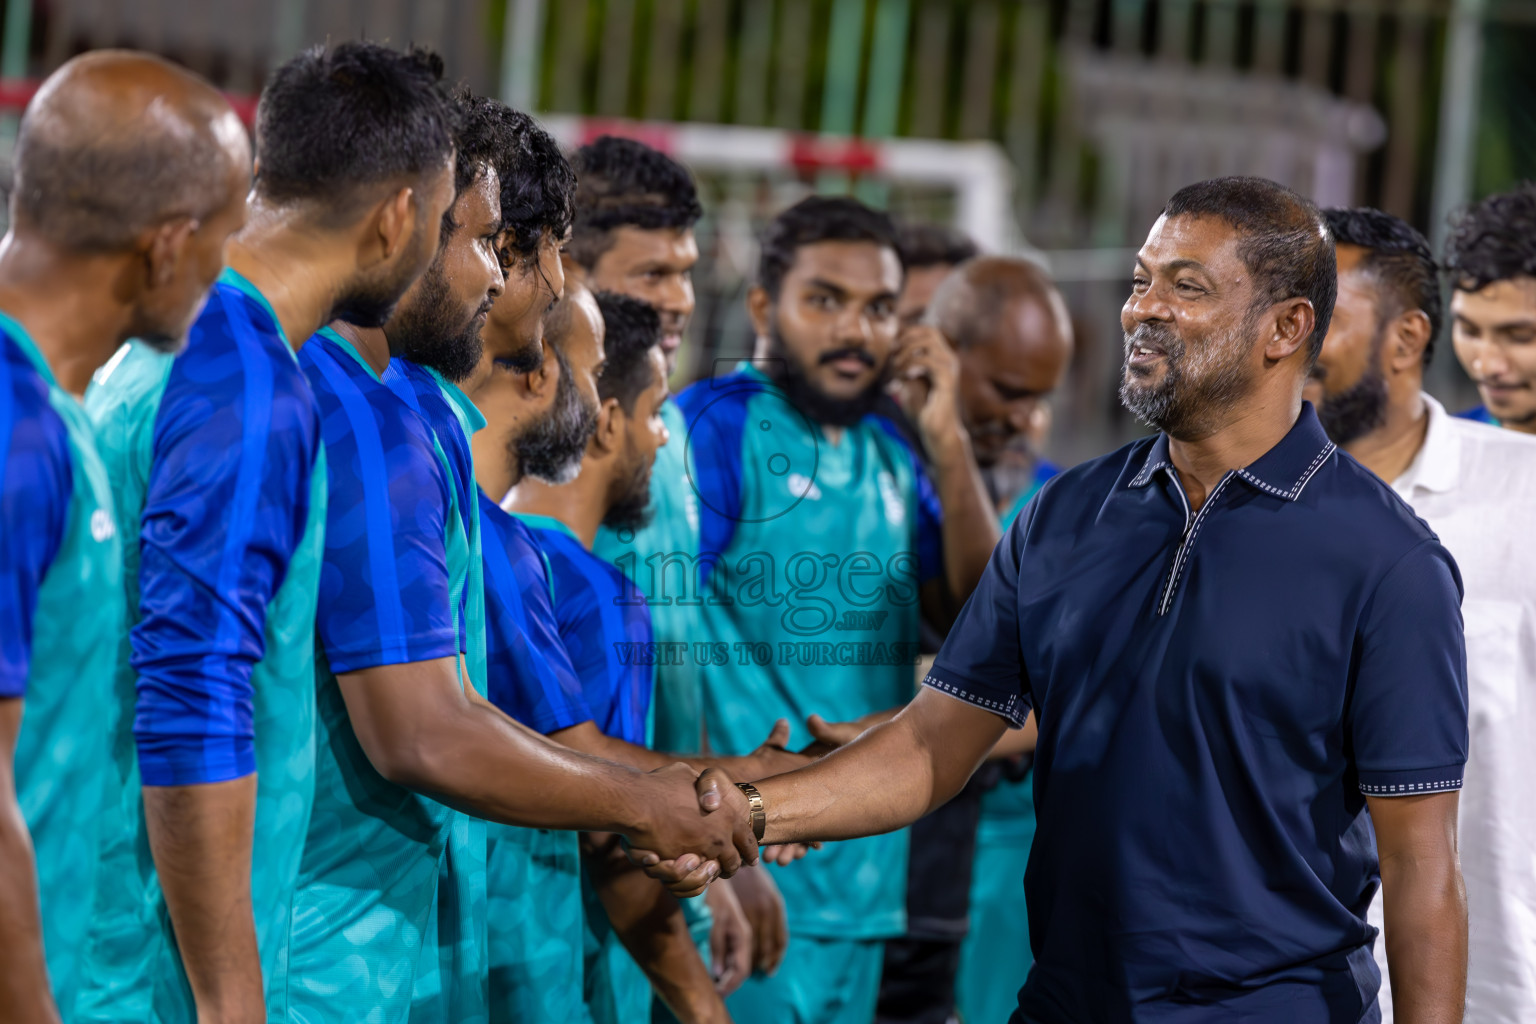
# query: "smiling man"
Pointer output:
{"type": "Point", "coordinates": [823, 533]}
{"type": "Point", "coordinates": [1491, 258]}
{"type": "Point", "coordinates": [1476, 487]}
{"type": "Point", "coordinates": [1245, 655]}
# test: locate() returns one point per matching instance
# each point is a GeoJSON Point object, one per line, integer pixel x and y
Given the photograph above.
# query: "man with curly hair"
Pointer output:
{"type": "Point", "coordinates": [1491, 256]}
{"type": "Point", "coordinates": [390, 920]}
{"type": "Point", "coordinates": [1475, 487]}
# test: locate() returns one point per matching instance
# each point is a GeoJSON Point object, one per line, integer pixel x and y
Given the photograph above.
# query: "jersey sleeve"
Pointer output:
{"type": "Point", "coordinates": [1407, 719]}
{"type": "Point", "coordinates": [930, 525]}
{"type": "Point", "coordinates": [982, 661]}
{"type": "Point", "coordinates": [35, 483]}
{"type": "Point", "coordinates": [227, 500]}
{"type": "Point", "coordinates": [580, 620]}
{"type": "Point", "coordinates": [928, 535]}
{"type": "Point", "coordinates": [530, 676]}
{"type": "Point", "coordinates": [385, 592]}
{"type": "Point", "coordinates": [715, 412]}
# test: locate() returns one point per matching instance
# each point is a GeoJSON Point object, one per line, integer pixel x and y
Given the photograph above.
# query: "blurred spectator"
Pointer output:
{"type": "Point", "coordinates": [1491, 256]}
{"type": "Point", "coordinates": [1476, 488]}
{"type": "Point", "coordinates": [1013, 340]}
{"type": "Point", "coordinates": [928, 252]}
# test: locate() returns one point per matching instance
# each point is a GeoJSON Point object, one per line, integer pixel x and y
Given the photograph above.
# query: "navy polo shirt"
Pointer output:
{"type": "Point", "coordinates": [1217, 691]}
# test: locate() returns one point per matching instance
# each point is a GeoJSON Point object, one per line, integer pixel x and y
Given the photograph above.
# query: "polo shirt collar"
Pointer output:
{"type": "Point", "coordinates": [1437, 467]}
{"type": "Point", "coordinates": [1282, 472]}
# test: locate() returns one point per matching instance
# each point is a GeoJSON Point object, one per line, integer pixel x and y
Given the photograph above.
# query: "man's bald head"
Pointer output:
{"type": "Point", "coordinates": [116, 143]}
{"type": "Point", "coordinates": [1014, 338]}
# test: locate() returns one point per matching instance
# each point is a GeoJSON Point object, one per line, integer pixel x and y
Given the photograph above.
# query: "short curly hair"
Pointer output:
{"type": "Point", "coordinates": [621, 182]}
{"type": "Point", "coordinates": [1283, 241]}
{"type": "Point", "coordinates": [1398, 258]}
{"type": "Point", "coordinates": [632, 329]}
{"type": "Point", "coordinates": [1493, 240]}
{"type": "Point", "coordinates": [538, 187]}
{"type": "Point", "coordinates": [398, 123]}
{"type": "Point", "coordinates": [818, 219]}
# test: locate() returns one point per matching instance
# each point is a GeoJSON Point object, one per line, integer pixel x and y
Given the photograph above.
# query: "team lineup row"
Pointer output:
{"type": "Point", "coordinates": [329, 656]}
{"type": "Point", "coordinates": [326, 499]}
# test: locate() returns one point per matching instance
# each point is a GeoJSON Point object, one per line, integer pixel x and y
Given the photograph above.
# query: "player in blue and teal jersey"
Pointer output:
{"type": "Point", "coordinates": [166, 166]}
{"type": "Point", "coordinates": [536, 925]}
{"type": "Point", "coordinates": [821, 532]}
{"type": "Point", "coordinates": [605, 627]}
{"type": "Point", "coordinates": [1013, 339]}
{"type": "Point", "coordinates": [215, 460]}
{"type": "Point", "coordinates": [634, 235]}
{"type": "Point", "coordinates": [1491, 257]}
{"type": "Point", "coordinates": [390, 916]}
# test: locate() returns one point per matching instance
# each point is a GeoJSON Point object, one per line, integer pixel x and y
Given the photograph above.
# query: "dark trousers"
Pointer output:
{"type": "Point", "coordinates": [918, 984]}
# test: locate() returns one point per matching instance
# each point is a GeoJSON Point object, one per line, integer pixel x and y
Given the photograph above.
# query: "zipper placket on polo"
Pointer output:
{"type": "Point", "coordinates": [1191, 531]}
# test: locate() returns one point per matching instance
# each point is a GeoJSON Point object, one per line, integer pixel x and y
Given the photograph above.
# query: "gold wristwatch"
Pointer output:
{"type": "Point", "coordinates": [755, 803]}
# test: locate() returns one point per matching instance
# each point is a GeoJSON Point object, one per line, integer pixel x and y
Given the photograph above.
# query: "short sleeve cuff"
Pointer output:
{"type": "Point", "coordinates": [13, 684]}
{"type": "Point", "coordinates": [344, 658]}
{"type": "Point", "coordinates": [555, 721]}
{"type": "Point", "coordinates": [1414, 782]}
{"type": "Point", "coordinates": [1012, 706]}
{"type": "Point", "coordinates": [189, 760]}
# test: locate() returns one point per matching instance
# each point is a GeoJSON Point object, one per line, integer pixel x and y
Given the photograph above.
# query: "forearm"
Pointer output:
{"type": "Point", "coordinates": [970, 524]}
{"type": "Point", "coordinates": [488, 765]}
{"type": "Point", "coordinates": [650, 923]}
{"type": "Point", "coordinates": [24, 991]}
{"type": "Point", "coordinates": [887, 778]}
{"type": "Point", "coordinates": [1425, 907]}
{"type": "Point", "coordinates": [588, 739]}
{"type": "Point", "coordinates": [201, 838]}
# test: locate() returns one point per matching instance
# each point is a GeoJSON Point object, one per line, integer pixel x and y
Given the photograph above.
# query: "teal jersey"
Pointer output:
{"type": "Point", "coordinates": [616, 990]}
{"type": "Point", "coordinates": [813, 554]}
{"type": "Point", "coordinates": [657, 559]}
{"type": "Point", "coordinates": [390, 914]}
{"type": "Point", "coordinates": [536, 924]}
{"type": "Point", "coordinates": [216, 468]}
{"type": "Point", "coordinates": [75, 601]}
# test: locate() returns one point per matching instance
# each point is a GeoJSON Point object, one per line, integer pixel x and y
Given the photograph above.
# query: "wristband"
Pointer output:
{"type": "Point", "coordinates": [758, 816]}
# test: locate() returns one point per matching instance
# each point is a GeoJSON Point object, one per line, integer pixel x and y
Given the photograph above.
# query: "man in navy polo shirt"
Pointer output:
{"type": "Point", "coordinates": [1245, 655]}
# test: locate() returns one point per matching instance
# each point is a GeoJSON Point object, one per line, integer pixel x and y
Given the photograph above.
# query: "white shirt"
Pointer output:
{"type": "Point", "coordinates": [1475, 485]}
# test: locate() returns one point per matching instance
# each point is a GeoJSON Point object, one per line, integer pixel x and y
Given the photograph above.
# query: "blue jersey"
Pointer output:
{"type": "Point", "coordinates": [531, 677]}
{"type": "Point", "coordinates": [534, 875]}
{"type": "Point", "coordinates": [217, 471]}
{"type": "Point", "coordinates": [813, 554]}
{"type": "Point", "coordinates": [34, 503]}
{"type": "Point", "coordinates": [61, 616]}
{"type": "Point", "coordinates": [606, 628]}
{"type": "Point", "coordinates": [396, 562]}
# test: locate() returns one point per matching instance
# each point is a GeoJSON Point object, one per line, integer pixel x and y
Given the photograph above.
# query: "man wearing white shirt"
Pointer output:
{"type": "Point", "coordinates": [1475, 486]}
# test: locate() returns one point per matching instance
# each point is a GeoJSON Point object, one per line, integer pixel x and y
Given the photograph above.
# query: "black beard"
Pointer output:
{"type": "Point", "coordinates": [552, 446]}
{"type": "Point", "coordinates": [1178, 405]}
{"type": "Point", "coordinates": [631, 509]}
{"type": "Point", "coordinates": [805, 395]}
{"type": "Point", "coordinates": [431, 330]}
{"type": "Point", "coordinates": [1360, 408]}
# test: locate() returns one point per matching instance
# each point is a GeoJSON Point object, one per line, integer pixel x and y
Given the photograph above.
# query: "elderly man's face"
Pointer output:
{"type": "Point", "coordinates": [1005, 376]}
{"type": "Point", "coordinates": [1190, 350]}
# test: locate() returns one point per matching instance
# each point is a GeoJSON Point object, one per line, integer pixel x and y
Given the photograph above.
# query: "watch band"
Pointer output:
{"type": "Point", "coordinates": [759, 816]}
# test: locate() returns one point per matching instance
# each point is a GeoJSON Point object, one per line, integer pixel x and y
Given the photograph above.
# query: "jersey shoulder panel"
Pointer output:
{"type": "Point", "coordinates": [36, 482]}
{"type": "Point", "coordinates": [384, 585]}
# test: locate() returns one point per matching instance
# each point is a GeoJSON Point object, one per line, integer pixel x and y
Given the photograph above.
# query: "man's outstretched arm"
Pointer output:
{"type": "Point", "coordinates": [885, 779]}
{"type": "Point", "coordinates": [421, 730]}
{"type": "Point", "coordinates": [1425, 906]}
